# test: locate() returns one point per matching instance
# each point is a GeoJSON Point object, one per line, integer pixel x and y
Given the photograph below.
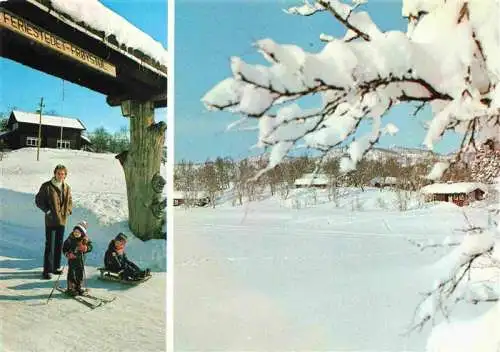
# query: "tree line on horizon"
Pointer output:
{"type": "Point", "coordinates": [213, 177]}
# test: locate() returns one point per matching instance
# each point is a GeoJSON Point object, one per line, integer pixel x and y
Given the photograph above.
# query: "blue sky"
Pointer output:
{"type": "Point", "coordinates": [208, 33]}
{"type": "Point", "coordinates": [22, 86]}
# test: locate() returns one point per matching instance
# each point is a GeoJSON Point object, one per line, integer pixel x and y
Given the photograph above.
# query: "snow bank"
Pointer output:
{"type": "Point", "coordinates": [480, 334]}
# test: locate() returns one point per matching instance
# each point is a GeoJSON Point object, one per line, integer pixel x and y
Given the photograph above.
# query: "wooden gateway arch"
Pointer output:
{"type": "Point", "coordinates": [42, 35]}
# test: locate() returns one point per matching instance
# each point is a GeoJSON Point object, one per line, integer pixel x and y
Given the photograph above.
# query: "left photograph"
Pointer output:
{"type": "Point", "coordinates": [83, 120]}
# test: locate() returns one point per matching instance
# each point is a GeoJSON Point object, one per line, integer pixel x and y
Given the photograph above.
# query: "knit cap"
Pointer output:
{"type": "Point", "coordinates": [82, 227]}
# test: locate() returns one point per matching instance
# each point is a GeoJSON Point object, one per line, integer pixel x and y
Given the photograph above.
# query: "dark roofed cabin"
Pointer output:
{"type": "Point", "coordinates": [22, 131]}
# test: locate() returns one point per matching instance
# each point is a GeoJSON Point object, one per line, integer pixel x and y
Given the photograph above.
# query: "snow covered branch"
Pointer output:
{"type": "Point", "coordinates": [449, 60]}
{"type": "Point", "coordinates": [358, 24]}
{"type": "Point", "coordinates": [469, 274]}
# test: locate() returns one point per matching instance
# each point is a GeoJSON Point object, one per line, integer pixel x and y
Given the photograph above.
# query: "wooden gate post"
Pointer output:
{"type": "Point", "coordinates": [141, 165]}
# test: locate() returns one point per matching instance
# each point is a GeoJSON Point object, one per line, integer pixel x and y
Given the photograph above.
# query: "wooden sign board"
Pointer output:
{"type": "Point", "coordinates": [33, 32]}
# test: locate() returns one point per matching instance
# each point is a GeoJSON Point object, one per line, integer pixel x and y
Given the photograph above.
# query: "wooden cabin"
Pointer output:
{"type": "Point", "coordinates": [382, 182]}
{"type": "Point", "coordinates": [460, 193]}
{"type": "Point", "coordinates": [22, 131]}
{"type": "Point", "coordinates": [195, 199]}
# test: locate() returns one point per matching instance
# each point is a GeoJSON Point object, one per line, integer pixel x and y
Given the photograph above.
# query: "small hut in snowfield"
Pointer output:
{"type": "Point", "coordinates": [382, 182]}
{"type": "Point", "coordinates": [198, 199]}
{"type": "Point", "coordinates": [460, 193]}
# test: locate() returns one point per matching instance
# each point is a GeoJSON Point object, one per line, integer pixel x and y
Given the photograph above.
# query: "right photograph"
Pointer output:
{"type": "Point", "coordinates": [337, 176]}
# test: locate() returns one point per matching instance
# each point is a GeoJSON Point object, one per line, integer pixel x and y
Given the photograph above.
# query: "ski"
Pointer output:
{"type": "Point", "coordinates": [80, 299]}
{"type": "Point", "coordinates": [98, 298]}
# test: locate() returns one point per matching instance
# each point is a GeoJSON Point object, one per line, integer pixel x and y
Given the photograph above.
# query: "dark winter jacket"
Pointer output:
{"type": "Point", "coordinates": [115, 261]}
{"type": "Point", "coordinates": [71, 245]}
{"type": "Point", "coordinates": [57, 205]}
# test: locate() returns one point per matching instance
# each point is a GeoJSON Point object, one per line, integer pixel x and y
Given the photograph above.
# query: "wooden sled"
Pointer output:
{"type": "Point", "coordinates": [108, 275]}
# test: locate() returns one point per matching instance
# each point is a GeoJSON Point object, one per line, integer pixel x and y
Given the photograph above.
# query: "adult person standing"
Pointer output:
{"type": "Point", "coordinates": [54, 199]}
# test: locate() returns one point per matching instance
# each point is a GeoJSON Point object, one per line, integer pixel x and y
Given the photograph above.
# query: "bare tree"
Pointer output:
{"type": "Point", "coordinates": [209, 181]}
{"type": "Point", "coordinates": [244, 172]}
{"type": "Point", "coordinates": [186, 182]}
{"type": "Point", "coordinates": [224, 169]}
{"type": "Point", "coordinates": [331, 168]}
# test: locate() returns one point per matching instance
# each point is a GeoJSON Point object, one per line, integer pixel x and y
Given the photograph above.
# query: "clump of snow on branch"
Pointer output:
{"type": "Point", "coordinates": [438, 170]}
{"type": "Point", "coordinates": [449, 58]}
{"type": "Point", "coordinates": [470, 272]}
{"type": "Point", "coordinates": [99, 17]}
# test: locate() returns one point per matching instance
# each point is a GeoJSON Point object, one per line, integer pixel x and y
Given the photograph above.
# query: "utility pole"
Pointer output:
{"type": "Point", "coordinates": [61, 139]}
{"type": "Point", "coordinates": [39, 141]}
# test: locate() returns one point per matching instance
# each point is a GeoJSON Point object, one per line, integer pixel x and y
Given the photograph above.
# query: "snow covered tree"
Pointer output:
{"type": "Point", "coordinates": [3, 124]}
{"type": "Point", "coordinates": [448, 58]}
{"type": "Point", "coordinates": [486, 164]}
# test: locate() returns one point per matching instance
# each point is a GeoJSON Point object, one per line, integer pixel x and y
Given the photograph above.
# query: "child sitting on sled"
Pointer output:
{"type": "Point", "coordinates": [116, 260]}
{"type": "Point", "coordinates": [74, 248]}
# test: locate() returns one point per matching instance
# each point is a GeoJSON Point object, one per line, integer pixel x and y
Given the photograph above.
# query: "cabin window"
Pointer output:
{"type": "Point", "coordinates": [15, 126]}
{"type": "Point", "coordinates": [63, 144]}
{"type": "Point", "coordinates": [32, 141]}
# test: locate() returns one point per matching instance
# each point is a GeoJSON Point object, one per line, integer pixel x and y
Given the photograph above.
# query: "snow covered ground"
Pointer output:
{"type": "Point", "coordinates": [135, 321]}
{"type": "Point", "coordinates": [304, 274]}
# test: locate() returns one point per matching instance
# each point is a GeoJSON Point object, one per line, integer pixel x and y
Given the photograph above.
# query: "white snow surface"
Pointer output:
{"type": "Point", "coordinates": [99, 17]}
{"type": "Point", "coordinates": [303, 274]}
{"type": "Point", "coordinates": [48, 120]}
{"type": "Point", "coordinates": [135, 321]}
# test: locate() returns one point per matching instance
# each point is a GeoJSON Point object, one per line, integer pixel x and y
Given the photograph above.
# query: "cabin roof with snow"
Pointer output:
{"type": "Point", "coordinates": [453, 188]}
{"type": "Point", "coordinates": [312, 179]}
{"type": "Point", "coordinates": [101, 19]}
{"type": "Point", "coordinates": [47, 120]}
{"type": "Point", "coordinates": [181, 194]}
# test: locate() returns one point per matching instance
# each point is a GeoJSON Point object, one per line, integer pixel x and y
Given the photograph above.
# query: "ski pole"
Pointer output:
{"type": "Point", "coordinates": [84, 273]}
{"type": "Point", "coordinates": [56, 284]}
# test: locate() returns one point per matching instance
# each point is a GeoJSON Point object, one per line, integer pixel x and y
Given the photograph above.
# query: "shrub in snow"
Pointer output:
{"type": "Point", "coordinates": [449, 58]}
{"type": "Point", "coordinates": [402, 200]}
{"type": "Point", "coordinates": [382, 204]}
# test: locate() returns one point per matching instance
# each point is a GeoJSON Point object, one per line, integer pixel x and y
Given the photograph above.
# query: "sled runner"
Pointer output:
{"type": "Point", "coordinates": [108, 275]}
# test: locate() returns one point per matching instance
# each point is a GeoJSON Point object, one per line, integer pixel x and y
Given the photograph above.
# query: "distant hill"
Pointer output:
{"type": "Point", "coordinates": [405, 155]}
